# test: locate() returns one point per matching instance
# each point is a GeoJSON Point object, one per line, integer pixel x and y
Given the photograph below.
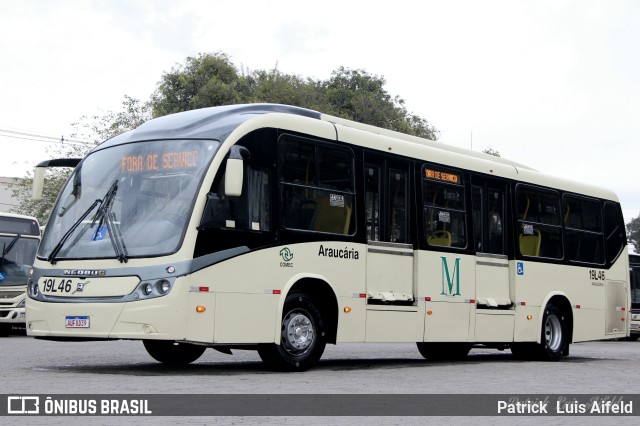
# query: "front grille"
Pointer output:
{"type": "Point", "coordinates": [10, 294]}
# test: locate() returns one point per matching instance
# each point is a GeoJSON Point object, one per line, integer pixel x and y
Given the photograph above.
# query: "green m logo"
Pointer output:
{"type": "Point", "coordinates": [451, 279]}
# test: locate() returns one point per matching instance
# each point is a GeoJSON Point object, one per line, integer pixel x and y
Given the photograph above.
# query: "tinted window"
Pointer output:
{"type": "Point", "coordinates": [539, 219]}
{"type": "Point", "coordinates": [444, 208]}
{"type": "Point", "coordinates": [583, 236]}
{"type": "Point", "coordinates": [316, 186]}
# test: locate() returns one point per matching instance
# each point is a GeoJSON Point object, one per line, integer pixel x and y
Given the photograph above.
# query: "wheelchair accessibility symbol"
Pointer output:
{"type": "Point", "coordinates": [520, 268]}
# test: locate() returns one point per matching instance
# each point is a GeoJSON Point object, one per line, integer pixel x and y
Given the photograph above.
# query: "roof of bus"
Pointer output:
{"type": "Point", "coordinates": [223, 120]}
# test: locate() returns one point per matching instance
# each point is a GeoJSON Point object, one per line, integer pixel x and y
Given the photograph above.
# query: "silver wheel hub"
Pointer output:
{"type": "Point", "coordinates": [298, 333]}
{"type": "Point", "coordinates": [553, 332]}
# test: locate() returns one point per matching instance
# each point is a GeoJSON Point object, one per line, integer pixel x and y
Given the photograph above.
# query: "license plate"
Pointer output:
{"type": "Point", "coordinates": [76, 322]}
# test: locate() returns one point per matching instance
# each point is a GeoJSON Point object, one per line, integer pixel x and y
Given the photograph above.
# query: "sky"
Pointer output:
{"type": "Point", "coordinates": [554, 84]}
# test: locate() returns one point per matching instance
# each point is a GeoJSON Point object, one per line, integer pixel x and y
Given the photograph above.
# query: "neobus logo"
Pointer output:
{"type": "Point", "coordinates": [452, 280]}
{"type": "Point", "coordinates": [86, 272]}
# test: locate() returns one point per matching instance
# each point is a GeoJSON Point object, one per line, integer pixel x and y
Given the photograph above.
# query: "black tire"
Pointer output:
{"type": "Point", "coordinates": [302, 338]}
{"type": "Point", "coordinates": [553, 341]}
{"type": "Point", "coordinates": [173, 353]}
{"type": "Point", "coordinates": [444, 351]}
{"type": "Point", "coordinates": [633, 337]}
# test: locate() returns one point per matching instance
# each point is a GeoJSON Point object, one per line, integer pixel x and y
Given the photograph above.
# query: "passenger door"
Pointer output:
{"type": "Point", "coordinates": [389, 252]}
{"type": "Point", "coordinates": [492, 263]}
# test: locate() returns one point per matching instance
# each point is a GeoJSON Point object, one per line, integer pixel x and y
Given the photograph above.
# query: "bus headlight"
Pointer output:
{"type": "Point", "coordinates": [163, 286]}
{"type": "Point", "coordinates": [154, 288]}
{"type": "Point", "coordinates": [147, 288]}
{"type": "Point", "coordinates": [34, 291]}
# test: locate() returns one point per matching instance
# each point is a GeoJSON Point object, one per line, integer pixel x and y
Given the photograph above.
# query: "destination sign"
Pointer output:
{"type": "Point", "coordinates": [442, 176]}
{"type": "Point", "coordinates": [174, 160]}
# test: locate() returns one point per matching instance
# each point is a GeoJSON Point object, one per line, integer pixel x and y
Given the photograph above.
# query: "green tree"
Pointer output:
{"type": "Point", "coordinates": [202, 81]}
{"type": "Point", "coordinates": [633, 233]}
{"type": "Point", "coordinates": [212, 80]}
{"type": "Point", "coordinates": [93, 130]}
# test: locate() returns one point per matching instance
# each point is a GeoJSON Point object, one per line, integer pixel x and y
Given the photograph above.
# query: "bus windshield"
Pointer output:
{"type": "Point", "coordinates": [16, 257]}
{"type": "Point", "coordinates": [130, 200]}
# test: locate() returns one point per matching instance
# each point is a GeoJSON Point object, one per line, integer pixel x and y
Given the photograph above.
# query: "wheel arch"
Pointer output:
{"type": "Point", "coordinates": [561, 301]}
{"type": "Point", "coordinates": [324, 297]}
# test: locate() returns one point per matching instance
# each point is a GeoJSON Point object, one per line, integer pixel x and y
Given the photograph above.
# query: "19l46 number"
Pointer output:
{"type": "Point", "coordinates": [62, 286]}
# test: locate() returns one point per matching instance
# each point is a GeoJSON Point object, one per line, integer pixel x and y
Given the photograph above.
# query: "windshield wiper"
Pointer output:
{"type": "Point", "coordinates": [105, 216]}
{"type": "Point", "coordinates": [7, 249]}
{"type": "Point", "coordinates": [65, 237]}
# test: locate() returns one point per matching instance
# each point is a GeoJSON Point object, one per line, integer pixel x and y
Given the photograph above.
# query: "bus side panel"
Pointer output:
{"type": "Point", "coordinates": [494, 326]}
{"type": "Point", "coordinates": [447, 282]}
{"type": "Point", "coordinates": [527, 323]}
{"type": "Point", "coordinates": [200, 312]}
{"type": "Point", "coordinates": [448, 322]}
{"type": "Point", "coordinates": [245, 318]}
{"type": "Point", "coordinates": [351, 324]}
{"type": "Point", "coordinates": [394, 325]}
{"type": "Point", "coordinates": [588, 324]}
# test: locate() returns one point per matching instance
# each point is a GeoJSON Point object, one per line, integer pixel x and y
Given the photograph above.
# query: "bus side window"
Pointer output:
{"type": "Point", "coordinates": [614, 231]}
{"type": "Point", "coordinates": [583, 233]}
{"type": "Point", "coordinates": [316, 186]}
{"type": "Point", "coordinates": [539, 222]}
{"type": "Point", "coordinates": [444, 210]}
{"type": "Point", "coordinates": [250, 211]}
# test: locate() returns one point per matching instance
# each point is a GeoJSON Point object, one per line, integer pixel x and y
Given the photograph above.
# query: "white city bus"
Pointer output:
{"type": "Point", "coordinates": [19, 239]}
{"type": "Point", "coordinates": [281, 229]}
{"type": "Point", "coordinates": [634, 272]}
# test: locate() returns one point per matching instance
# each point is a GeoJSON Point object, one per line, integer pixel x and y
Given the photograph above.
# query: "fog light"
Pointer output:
{"type": "Point", "coordinates": [147, 288]}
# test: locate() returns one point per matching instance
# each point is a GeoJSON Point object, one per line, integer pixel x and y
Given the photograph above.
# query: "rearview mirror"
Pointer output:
{"type": "Point", "coordinates": [234, 173]}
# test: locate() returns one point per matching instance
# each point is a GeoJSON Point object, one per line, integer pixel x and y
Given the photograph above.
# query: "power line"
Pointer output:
{"type": "Point", "coordinates": [40, 137]}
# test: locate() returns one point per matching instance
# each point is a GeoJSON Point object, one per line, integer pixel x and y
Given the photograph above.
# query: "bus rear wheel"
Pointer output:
{"type": "Point", "coordinates": [302, 337]}
{"type": "Point", "coordinates": [553, 342]}
{"type": "Point", "coordinates": [444, 351]}
{"type": "Point", "coordinates": [173, 353]}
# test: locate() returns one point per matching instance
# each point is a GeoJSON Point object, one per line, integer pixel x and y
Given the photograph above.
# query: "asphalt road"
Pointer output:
{"type": "Point", "coordinates": [32, 366]}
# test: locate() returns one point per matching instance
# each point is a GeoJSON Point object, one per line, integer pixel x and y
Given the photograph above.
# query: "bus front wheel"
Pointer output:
{"type": "Point", "coordinates": [173, 353]}
{"type": "Point", "coordinates": [302, 336]}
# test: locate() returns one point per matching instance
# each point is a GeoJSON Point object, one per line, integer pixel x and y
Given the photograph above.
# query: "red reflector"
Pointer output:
{"type": "Point", "coordinates": [577, 306]}
{"type": "Point", "coordinates": [472, 300]}
{"type": "Point", "coordinates": [276, 292]}
{"type": "Point", "coordinates": [427, 299]}
{"type": "Point", "coordinates": [363, 295]}
{"type": "Point", "coordinates": [203, 288]}
{"type": "Point", "coordinates": [523, 303]}
{"type": "Point", "coordinates": [623, 309]}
